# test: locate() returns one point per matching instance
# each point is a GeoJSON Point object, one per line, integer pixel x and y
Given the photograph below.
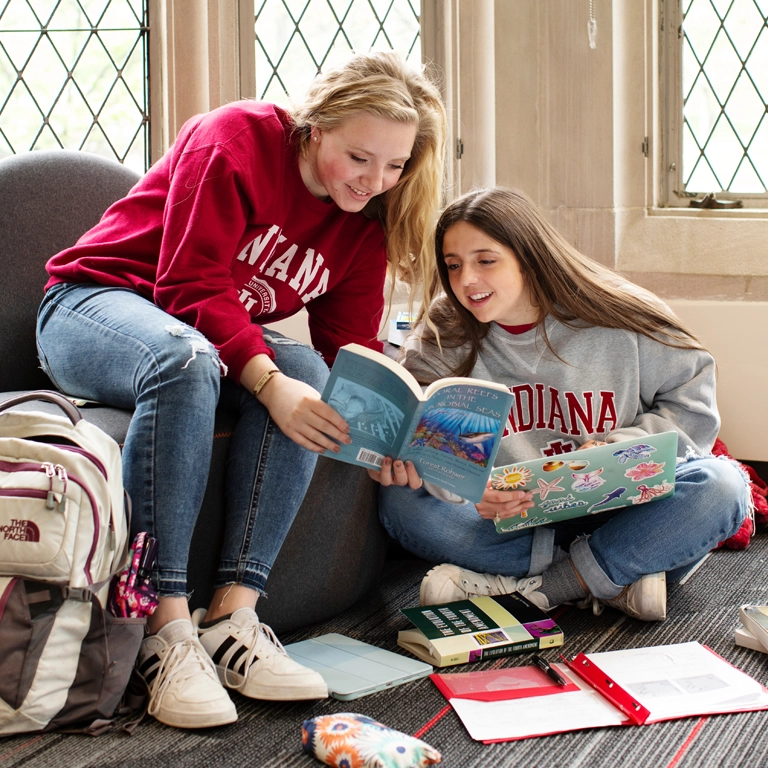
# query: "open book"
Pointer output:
{"type": "Point", "coordinates": [628, 687]}
{"type": "Point", "coordinates": [590, 481]}
{"type": "Point", "coordinates": [451, 431]}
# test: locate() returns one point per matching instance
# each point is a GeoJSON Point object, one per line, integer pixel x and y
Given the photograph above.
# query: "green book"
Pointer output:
{"type": "Point", "coordinates": [477, 629]}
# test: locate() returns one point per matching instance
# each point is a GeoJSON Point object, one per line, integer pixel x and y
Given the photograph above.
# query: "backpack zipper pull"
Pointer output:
{"type": "Point", "coordinates": [61, 499]}
{"type": "Point", "coordinates": [50, 471]}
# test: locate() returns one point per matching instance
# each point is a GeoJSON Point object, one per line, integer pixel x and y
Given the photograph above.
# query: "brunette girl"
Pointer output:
{"type": "Point", "coordinates": [523, 308]}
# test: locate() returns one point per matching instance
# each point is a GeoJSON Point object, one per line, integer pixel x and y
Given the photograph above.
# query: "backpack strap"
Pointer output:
{"type": "Point", "coordinates": [69, 408]}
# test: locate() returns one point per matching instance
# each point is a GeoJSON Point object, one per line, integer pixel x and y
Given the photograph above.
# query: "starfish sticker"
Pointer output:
{"type": "Point", "coordinates": [546, 488]}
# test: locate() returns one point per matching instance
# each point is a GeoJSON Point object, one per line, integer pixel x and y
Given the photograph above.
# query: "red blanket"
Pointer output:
{"type": "Point", "coordinates": [741, 539]}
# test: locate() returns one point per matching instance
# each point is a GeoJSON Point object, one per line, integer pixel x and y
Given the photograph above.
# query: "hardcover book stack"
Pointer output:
{"type": "Point", "coordinates": [478, 629]}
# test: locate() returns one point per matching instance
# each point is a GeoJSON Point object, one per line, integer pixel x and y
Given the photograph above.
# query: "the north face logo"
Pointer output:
{"type": "Point", "coordinates": [21, 530]}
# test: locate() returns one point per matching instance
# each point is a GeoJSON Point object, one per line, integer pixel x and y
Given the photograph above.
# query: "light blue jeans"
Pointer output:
{"type": "Point", "coordinates": [609, 550]}
{"type": "Point", "coordinates": [114, 346]}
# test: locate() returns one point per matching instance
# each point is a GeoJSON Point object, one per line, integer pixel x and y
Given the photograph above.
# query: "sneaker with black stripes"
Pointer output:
{"type": "Point", "coordinates": [251, 660]}
{"type": "Point", "coordinates": [184, 691]}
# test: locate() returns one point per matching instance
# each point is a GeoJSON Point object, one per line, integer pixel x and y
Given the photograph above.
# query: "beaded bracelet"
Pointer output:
{"type": "Point", "coordinates": [263, 380]}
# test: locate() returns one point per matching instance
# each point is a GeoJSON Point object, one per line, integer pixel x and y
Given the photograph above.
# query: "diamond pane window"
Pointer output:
{"type": "Point", "coordinates": [725, 96]}
{"type": "Point", "coordinates": [74, 75]}
{"type": "Point", "coordinates": [295, 39]}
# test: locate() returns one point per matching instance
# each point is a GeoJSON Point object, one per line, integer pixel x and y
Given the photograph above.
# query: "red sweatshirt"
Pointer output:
{"type": "Point", "coordinates": [222, 232]}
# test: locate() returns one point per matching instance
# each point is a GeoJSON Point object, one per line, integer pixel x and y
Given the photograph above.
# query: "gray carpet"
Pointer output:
{"type": "Point", "coordinates": [267, 735]}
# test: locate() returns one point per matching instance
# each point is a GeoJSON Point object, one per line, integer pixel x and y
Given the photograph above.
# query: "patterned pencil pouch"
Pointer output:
{"type": "Point", "coordinates": [347, 740]}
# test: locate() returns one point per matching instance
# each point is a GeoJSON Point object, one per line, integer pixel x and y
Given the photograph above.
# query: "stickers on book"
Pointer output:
{"type": "Point", "coordinates": [648, 493]}
{"type": "Point", "coordinates": [607, 499]}
{"type": "Point", "coordinates": [587, 481]}
{"type": "Point", "coordinates": [513, 478]}
{"type": "Point", "coordinates": [644, 471]}
{"type": "Point", "coordinates": [569, 485]}
{"type": "Point", "coordinates": [634, 452]}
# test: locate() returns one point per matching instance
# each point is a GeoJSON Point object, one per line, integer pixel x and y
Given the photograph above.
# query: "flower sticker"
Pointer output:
{"type": "Point", "coordinates": [644, 470]}
{"type": "Point", "coordinates": [511, 478]}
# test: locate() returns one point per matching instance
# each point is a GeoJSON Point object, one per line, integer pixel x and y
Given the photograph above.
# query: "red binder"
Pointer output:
{"type": "Point", "coordinates": [589, 672]}
{"type": "Point", "coordinates": [675, 681]}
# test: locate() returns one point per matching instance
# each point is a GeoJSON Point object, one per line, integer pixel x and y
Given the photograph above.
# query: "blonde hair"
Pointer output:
{"type": "Point", "coordinates": [562, 282]}
{"type": "Point", "coordinates": [382, 84]}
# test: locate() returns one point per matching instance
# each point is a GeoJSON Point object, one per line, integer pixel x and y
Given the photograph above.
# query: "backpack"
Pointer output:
{"type": "Point", "coordinates": [64, 532]}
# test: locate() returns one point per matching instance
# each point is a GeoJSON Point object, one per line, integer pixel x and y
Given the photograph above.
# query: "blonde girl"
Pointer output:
{"type": "Point", "coordinates": [252, 215]}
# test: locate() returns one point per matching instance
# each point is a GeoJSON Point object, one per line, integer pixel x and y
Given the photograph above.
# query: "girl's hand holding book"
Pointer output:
{"type": "Point", "coordinates": [297, 409]}
{"type": "Point", "coordinates": [397, 473]}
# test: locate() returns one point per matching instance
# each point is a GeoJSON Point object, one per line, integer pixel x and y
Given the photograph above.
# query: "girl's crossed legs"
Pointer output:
{"type": "Point", "coordinates": [708, 506]}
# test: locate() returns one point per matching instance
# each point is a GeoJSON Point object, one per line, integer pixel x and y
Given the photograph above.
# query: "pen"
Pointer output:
{"type": "Point", "coordinates": [549, 670]}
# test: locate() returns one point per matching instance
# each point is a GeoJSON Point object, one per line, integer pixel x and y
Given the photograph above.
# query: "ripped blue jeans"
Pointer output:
{"type": "Point", "coordinates": [113, 346]}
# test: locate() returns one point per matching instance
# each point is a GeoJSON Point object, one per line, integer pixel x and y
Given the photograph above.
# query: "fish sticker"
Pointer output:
{"type": "Point", "coordinates": [607, 498]}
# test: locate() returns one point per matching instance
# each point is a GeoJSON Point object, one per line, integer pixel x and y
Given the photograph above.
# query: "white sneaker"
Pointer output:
{"type": "Point", "coordinates": [646, 599]}
{"type": "Point", "coordinates": [447, 583]}
{"type": "Point", "coordinates": [184, 691]}
{"type": "Point", "coordinates": [251, 660]}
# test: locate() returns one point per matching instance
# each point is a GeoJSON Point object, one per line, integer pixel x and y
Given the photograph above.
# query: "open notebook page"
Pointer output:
{"type": "Point", "coordinates": [680, 680]}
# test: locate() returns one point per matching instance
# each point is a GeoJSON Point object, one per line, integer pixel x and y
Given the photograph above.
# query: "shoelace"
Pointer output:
{"type": "Point", "coordinates": [597, 606]}
{"type": "Point", "coordinates": [270, 644]}
{"type": "Point", "coordinates": [176, 657]}
{"type": "Point", "coordinates": [491, 585]}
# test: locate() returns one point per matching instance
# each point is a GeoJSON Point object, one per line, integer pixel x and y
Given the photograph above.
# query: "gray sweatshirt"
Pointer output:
{"type": "Point", "coordinates": [613, 385]}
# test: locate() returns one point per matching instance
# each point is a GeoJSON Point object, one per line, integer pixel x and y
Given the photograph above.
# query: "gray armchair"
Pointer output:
{"type": "Point", "coordinates": [336, 549]}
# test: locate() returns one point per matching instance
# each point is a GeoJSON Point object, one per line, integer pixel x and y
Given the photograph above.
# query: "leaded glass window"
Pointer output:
{"type": "Point", "coordinates": [721, 145]}
{"type": "Point", "coordinates": [295, 39]}
{"type": "Point", "coordinates": [74, 75]}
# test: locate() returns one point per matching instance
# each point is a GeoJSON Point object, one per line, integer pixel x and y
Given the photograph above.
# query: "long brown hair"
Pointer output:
{"type": "Point", "coordinates": [563, 283]}
{"type": "Point", "coordinates": [382, 84]}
